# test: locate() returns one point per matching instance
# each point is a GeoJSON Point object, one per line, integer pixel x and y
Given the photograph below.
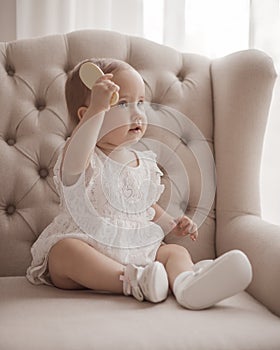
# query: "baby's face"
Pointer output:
{"type": "Point", "coordinates": [126, 122]}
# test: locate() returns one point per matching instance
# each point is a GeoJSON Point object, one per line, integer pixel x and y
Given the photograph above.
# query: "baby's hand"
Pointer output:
{"type": "Point", "coordinates": [185, 226]}
{"type": "Point", "coordinates": [101, 94]}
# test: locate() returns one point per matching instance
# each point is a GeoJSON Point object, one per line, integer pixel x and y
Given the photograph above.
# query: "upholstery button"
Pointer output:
{"type": "Point", "coordinates": [40, 106]}
{"type": "Point", "coordinates": [67, 69]}
{"type": "Point", "coordinates": [184, 141]}
{"type": "Point", "coordinates": [43, 173]}
{"type": "Point", "coordinates": [10, 209]}
{"type": "Point", "coordinates": [180, 77]}
{"type": "Point", "coordinates": [11, 142]}
{"type": "Point", "coordinates": [155, 106]}
{"type": "Point", "coordinates": [10, 71]}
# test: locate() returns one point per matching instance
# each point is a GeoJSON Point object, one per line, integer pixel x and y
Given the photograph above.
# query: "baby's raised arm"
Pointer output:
{"type": "Point", "coordinates": [85, 136]}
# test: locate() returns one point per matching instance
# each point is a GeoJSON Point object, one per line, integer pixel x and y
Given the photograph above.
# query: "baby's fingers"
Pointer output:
{"type": "Point", "coordinates": [188, 227]}
{"type": "Point", "coordinates": [193, 236]}
{"type": "Point", "coordinates": [183, 222]}
{"type": "Point", "coordinates": [107, 76]}
{"type": "Point", "coordinates": [193, 232]}
{"type": "Point", "coordinates": [105, 80]}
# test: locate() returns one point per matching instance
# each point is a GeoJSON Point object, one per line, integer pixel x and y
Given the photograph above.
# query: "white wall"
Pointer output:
{"type": "Point", "coordinates": [7, 20]}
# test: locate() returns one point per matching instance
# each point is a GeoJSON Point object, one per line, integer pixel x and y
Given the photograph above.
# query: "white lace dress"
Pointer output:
{"type": "Point", "coordinates": [109, 207]}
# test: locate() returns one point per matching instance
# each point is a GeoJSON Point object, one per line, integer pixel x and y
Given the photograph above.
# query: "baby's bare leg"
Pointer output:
{"type": "Point", "coordinates": [176, 260]}
{"type": "Point", "coordinates": [73, 264]}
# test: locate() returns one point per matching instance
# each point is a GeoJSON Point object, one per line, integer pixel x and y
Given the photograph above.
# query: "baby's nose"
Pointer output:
{"type": "Point", "coordinates": [136, 110]}
{"type": "Point", "coordinates": [137, 118]}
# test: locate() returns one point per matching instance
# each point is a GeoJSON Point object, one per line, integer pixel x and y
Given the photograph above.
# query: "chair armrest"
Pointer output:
{"type": "Point", "coordinates": [242, 90]}
{"type": "Point", "coordinates": [260, 240]}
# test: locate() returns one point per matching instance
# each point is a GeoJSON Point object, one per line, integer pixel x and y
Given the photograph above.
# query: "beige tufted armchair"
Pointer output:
{"type": "Point", "coordinates": [225, 103]}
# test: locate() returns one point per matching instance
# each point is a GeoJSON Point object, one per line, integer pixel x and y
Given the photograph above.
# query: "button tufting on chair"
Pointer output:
{"type": "Point", "coordinates": [11, 142]}
{"type": "Point", "coordinates": [10, 71]}
{"type": "Point", "coordinates": [155, 106]}
{"type": "Point", "coordinates": [43, 173]}
{"type": "Point", "coordinates": [184, 141]}
{"type": "Point", "coordinates": [208, 93]}
{"type": "Point", "coordinates": [180, 77]}
{"type": "Point", "coordinates": [10, 209]}
{"type": "Point", "coordinates": [40, 105]}
{"type": "Point", "coordinates": [67, 69]}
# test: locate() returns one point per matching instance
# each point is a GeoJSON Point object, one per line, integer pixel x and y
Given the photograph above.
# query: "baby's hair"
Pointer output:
{"type": "Point", "coordinates": [76, 93]}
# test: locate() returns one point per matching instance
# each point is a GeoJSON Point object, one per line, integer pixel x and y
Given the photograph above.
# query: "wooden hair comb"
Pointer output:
{"type": "Point", "coordinates": [89, 73]}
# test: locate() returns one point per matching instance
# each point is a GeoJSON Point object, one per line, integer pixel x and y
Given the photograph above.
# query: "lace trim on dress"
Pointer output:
{"type": "Point", "coordinates": [124, 220]}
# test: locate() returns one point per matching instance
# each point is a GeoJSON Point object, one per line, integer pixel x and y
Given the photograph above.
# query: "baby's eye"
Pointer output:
{"type": "Point", "coordinates": [123, 104]}
{"type": "Point", "coordinates": [140, 103]}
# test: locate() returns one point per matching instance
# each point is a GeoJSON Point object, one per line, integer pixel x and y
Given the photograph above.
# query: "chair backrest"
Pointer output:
{"type": "Point", "coordinates": [34, 124]}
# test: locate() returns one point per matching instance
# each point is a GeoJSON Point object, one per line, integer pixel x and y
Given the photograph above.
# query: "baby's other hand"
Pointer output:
{"type": "Point", "coordinates": [101, 93]}
{"type": "Point", "coordinates": [185, 226]}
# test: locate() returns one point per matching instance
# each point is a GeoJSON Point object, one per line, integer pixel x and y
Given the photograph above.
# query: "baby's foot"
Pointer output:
{"type": "Point", "coordinates": [149, 282]}
{"type": "Point", "coordinates": [213, 280]}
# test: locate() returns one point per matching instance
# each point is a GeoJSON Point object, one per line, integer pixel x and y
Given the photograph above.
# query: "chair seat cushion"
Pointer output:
{"type": "Point", "coordinates": [42, 317]}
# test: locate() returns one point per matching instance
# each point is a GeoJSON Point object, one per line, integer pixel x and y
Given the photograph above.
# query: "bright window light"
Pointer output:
{"type": "Point", "coordinates": [212, 28]}
{"type": "Point", "coordinates": [217, 27]}
{"type": "Point", "coordinates": [153, 12]}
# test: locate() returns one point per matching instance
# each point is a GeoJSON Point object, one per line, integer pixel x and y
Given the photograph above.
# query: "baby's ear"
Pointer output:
{"type": "Point", "coordinates": [81, 111]}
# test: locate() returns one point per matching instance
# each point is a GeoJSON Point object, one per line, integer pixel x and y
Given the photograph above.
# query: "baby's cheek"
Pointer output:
{"type": "Point", "coordinates": [116, 117]}
{"type": "Point", "coordinates": [113, 120]}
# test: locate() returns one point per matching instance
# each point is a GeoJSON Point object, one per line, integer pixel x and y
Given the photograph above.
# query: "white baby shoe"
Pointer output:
{"type": "Point", "coordinates": [149, 282]}
{"type": "Point", "coordinates": [213, 280]}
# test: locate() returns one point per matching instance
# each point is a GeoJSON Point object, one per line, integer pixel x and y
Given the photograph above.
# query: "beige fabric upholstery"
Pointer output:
{"type": "Point", "coordinates": [43, 317]}
{"type": "Point", "coordinates": [228, 100]}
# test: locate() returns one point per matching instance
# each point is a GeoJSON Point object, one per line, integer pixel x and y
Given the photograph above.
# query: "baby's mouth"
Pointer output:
{"type": "Point", "coordinates": [136, 129]}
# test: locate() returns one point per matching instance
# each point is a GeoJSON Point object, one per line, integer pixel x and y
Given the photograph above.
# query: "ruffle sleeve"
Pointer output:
{"type": "Point", "coordinates": [155, 172]}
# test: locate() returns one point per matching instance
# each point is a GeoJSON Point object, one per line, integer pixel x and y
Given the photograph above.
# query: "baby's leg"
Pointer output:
{"type": "Point", "coordinates": [209, 281]}
{"type": "Point", "coordinates": [176, 260]}
{"type": "Point", "coordinates": [73, 264]}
